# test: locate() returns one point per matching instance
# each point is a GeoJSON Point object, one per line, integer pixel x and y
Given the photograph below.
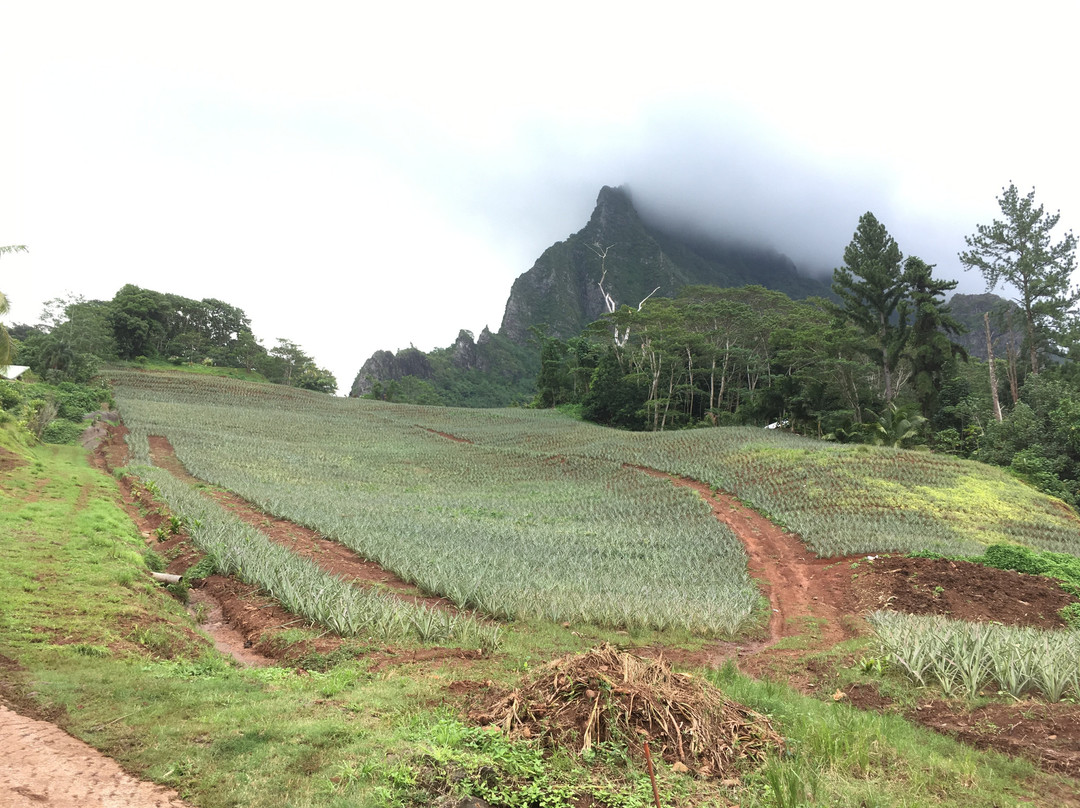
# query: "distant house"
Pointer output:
{"type": "Point", "coordinates": [13, 371]}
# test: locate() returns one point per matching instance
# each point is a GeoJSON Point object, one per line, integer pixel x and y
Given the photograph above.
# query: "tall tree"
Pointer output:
{"type": "Point", "coordinates": [930, 349]}
{"type": "Point", "coordinates": [6, 347]}
{"type": "Point", "coordinates": [1019, 251]}
{"type": "Point", "coordinates": [872, 290]}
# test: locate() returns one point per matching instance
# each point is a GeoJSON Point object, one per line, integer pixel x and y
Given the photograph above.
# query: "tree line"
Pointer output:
{"type": "Point", "coordinates": [76, 336]}
{"type": "Point", "coordinates": [880, 363]}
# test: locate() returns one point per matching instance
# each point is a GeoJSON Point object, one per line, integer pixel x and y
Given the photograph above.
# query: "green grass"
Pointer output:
{"type": "Point", "coordinates": [840, 755]}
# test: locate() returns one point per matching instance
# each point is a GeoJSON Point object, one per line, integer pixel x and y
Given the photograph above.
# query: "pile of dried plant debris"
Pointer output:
{"type": "Point", "coordinates": [608, 695]}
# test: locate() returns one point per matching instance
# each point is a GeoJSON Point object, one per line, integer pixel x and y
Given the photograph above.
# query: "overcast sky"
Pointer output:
{"type": "Point", "coordinates": [358, 178]}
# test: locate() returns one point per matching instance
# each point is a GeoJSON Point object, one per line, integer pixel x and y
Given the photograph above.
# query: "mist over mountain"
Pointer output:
{"type": "Point", "coordinates": [561, 294]}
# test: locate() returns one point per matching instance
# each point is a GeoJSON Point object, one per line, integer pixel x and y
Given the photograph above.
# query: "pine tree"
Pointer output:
{"type": "Point", "coordinates": [1018, 250]}
{"type": "Point", "coordinates": [930, 349]}
{"type": "Point", "coordinates": [871, 288]}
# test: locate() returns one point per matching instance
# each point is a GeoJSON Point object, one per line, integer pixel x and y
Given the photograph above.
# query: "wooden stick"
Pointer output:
{"type": "Point", "coordinates": [652, 775]}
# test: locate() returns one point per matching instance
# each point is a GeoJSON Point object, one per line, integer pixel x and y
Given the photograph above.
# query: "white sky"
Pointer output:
{"type": "Point", "coordinates": [358, 178]}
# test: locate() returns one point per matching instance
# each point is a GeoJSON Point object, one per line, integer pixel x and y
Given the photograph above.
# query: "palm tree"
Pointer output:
{"type": "Point", "coordinates": [6, 346]}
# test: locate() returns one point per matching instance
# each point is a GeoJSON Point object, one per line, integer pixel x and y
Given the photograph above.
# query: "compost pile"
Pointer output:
{"type": "Point", "coordinates": [607, 695]}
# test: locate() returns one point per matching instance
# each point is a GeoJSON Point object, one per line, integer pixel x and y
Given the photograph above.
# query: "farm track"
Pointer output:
{"type": "Point", "coordinates": [806, 597]}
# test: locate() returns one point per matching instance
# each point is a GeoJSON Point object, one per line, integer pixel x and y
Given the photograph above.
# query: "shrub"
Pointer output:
{"type": "Point", "coordinates": [61, 431]}
{"type": "Point", "coordinates": [1011, 557]}
{"type": "Point", "coordinates": [11, 397]}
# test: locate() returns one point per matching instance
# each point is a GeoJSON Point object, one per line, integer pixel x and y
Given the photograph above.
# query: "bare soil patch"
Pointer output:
{"type": "Point", "coordinates": [10, 460]}
{"type": "Point", "coordinates": [44, 767]}
{"type": "Point", "coordinates": [1046, 733]}
{"type": "Point", "coordinates": [957, 589]}
{"type": "Point", "coordinates": [446, 435]}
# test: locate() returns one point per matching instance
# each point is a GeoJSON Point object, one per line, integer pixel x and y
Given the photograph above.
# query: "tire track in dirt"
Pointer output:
{"type": "Point", "coordinates": [44, 767]}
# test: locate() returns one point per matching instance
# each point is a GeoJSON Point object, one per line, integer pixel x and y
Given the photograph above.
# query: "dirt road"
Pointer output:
{"type": "Point", "coordinates": [41, 766]}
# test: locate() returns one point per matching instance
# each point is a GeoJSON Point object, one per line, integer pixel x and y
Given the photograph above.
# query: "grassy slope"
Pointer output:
{"type": "Point", "coordinates": [348, 736]}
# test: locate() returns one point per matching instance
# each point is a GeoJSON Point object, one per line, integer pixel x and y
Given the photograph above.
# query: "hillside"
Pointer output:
{"type": "Point", "coordinates": [465, 607]}
{"type": "Point", "coordinates": [560, 295]}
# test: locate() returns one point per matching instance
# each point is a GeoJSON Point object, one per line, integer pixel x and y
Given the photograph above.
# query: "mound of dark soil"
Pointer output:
{"type": "Point", "coordinates": [604, 695]}
{"type": "Point", "coordinates": [958, 589]}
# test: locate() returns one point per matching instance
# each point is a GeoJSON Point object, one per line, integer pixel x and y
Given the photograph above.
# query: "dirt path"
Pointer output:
{"type": "Point", "coordinates": [806, 594]}
{"type": "Point", "coordinates": [41, 766]}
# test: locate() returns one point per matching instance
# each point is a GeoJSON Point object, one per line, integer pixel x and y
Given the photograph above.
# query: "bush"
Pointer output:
{"type": "Point", "coordinates": [1063, 566]}
{"type": "Point", "coordinates": [1071, 615]}
{"type": "Point", "coordinates": [61, 431]}
{"type": "Point", "coordinates": [1011, 557]}
{"type": "Point", "coordinates": [11, 397]}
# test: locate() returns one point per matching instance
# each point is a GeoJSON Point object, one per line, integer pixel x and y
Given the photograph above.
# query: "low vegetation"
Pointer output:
{"type": "Point", "coordinates": [125, 669]}
{"type": "Point", "coordinates": [961, 657]}
{"type": "Point", "coordinates": [114, 658]}
{"type": "Point", "coordinates": [234, 547]}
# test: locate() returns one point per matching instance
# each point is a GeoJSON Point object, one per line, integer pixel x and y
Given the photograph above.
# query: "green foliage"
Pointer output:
{"type": "Point", "coordinates": [1071, 615]}
{"type": "Point", "coordinates": [463, 761]}
{"type": "Point", "coordinates": [288, 364]}
{"type": "Point", "coordinates": [52, 413]}
{"type": "Point", "coordinates": [1038, 439]}
{"type": "Point", "coordinates": [61, 431]}
{"type": "Point", "coordinates": [931, 351]}
{"type": "Point", "coordinates": [896, 426]}
{"type": "Point", "coordinates": [489, 372]}
{"type": "Point", "coordinates": [962, 657]}
{"type": "Point", "coordinates": [615, 398]}
{"type": "Point", "coordinates": [1063, 566]}
{"type": "Point", "coordinates": [78, 336]}
{"type": "Point", "coordinates": [872, 291]}
{"type": "Point", "coordinates": [1018, 250]}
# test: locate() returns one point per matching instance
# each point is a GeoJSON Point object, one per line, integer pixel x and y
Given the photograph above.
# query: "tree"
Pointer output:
{"type": "Point", "coordinates": [930, 349]}
{"type": "Point", "coordinates": [288, 364]}
{"type": "Point", "coordinates": [7, 349]}
{"type": "Point", "coordinates": [1019, 251]}
{"type": "Point", "coordinates": [871, 289]}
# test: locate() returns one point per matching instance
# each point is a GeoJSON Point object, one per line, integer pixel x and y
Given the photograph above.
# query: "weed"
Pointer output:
{"type": "Point", "coordinates": [154, 562]}
{"type": "Point", "coordinates": [86, 649]}
{"type": "Point", "coordinates": [1071, 615]}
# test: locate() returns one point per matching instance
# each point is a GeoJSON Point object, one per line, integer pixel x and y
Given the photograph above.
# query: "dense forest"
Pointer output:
{"type": "Point", "coordinates": [883, 362]}
{"type": "Point", "coordinates": [76, 336]}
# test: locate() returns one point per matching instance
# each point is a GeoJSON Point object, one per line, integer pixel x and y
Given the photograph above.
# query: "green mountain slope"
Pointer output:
{"type": "Point", "coordinates": [561, 295]}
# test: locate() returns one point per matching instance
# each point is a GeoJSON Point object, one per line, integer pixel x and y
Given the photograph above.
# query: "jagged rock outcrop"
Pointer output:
{"type": "Point", "coordinates": [387, 366]}
{"type": "Point", "coordinates": [561, 293]}
{"type": "Point", "coordinates": [1006, 323]}
{"type": "Point", "coordinates": [634, 257]}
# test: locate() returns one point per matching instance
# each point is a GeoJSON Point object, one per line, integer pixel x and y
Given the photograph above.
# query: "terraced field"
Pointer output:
{"type": "Point", "coordinates": [532, 514]}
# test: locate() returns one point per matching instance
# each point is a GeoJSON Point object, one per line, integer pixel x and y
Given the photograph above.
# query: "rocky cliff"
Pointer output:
{"type": "Point", "coordinates": [561, 294]}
